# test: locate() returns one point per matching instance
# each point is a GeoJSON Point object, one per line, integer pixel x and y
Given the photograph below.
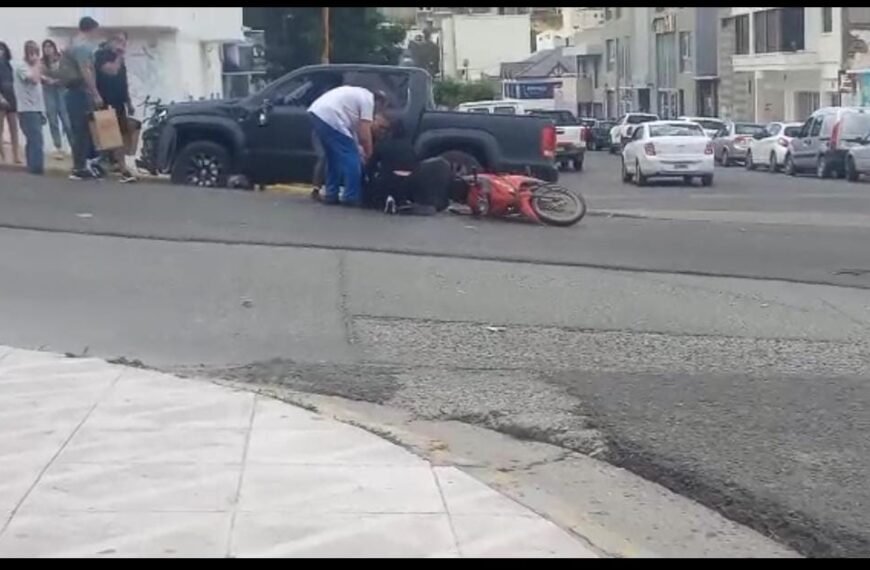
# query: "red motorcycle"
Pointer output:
{"type": "Point", "coordinates": [514, 195]}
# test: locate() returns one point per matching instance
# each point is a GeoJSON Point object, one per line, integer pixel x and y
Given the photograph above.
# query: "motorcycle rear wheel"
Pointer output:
{"type": "Point", "coordinates": [558, 206]}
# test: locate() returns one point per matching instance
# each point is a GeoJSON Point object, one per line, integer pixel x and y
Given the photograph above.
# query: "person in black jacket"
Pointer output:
{"type": "Point", "coordinates": [114, 90]}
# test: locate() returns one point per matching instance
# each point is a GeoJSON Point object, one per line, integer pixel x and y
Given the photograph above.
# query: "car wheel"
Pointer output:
{"type": "Point", "coordinates": [461, 162]}
{"type": "Point", "coordinates": [639, 178]}
{"type": "Point", "coordinates": [626, 175]}
{"type": "Point", "coordinates": [726, 159]}
{"type": "Point", "coordinates": [772, 165]}
{"type": "Point", "coordinates": [823, 170]}
{"type": "Point", "coordinates": [748, 162]}
{"type": "Point", "coordinates": [577, 164]}
{"type": "Point", "coordinates": [851, 170]}
{"type": "Point", "coordinates": [202, 163]}
{"type": "Point", "coordinates": [789, 166]}
{"type": "Point", "coordinates": [707, 180]}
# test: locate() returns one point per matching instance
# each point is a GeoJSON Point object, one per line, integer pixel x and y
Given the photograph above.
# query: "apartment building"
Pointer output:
{"type": "Point", "coordinates": [628, 61]}
{"type": "Point", "coordinates": [855, 79]}
{"type": "Point", "coordinates": [780, 63]}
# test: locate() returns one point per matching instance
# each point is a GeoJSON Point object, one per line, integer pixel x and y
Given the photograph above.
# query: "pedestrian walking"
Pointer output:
{"type": "Point", "coordinates": [342, 120]}
{"type": "Point", "coordinates": [31, 108]}
{"type": "Point", "coordinates": [53, 93]}
{"type": "Point", "coordinates": [114, 90]}
{"type": "Point", "coordinates": [8, 104]}
{"type": "Point", "coordinates": [76, 71]}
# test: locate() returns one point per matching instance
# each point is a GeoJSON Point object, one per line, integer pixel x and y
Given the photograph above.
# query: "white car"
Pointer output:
{"type": "Point", "coordinates": [621, 132]}
{"type": "Point", "coordinates": [710, 125]}
{"type": "Point", "coordinates": [771, 148]}
{"type": "Point", "coordinates": [678, 149]}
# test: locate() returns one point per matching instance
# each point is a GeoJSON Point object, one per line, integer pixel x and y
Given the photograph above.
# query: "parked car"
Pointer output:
{"type": "Point", "coordinates": [771, 147]}
{"type": "Point", "coordinates": [571, 136]}
{"type": "Point", "coordinates": [599, 135]}
{"type": "Point", "coordinates": [668, 149]}
{"type": "Point", "coordinates": [499, 107]}
{"type": "Point", "coordinates": [622, 131]}
{"type": "Point", "coordinates": [858, 160]}
{"type": "Point", "coordinates": [267, 137]}
{"type": "Point", "coordinates": [825, 139]}
{"type": "Point", "coordinates": [711, 125]}
{"type": "Point", "coordinates": [731, 143]}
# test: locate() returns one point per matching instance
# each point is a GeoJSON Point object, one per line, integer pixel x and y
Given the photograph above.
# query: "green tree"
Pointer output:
{"type": "Point", "coordinates": [294, 36]}
{"type": "Point", "coordinates": [450, 93]}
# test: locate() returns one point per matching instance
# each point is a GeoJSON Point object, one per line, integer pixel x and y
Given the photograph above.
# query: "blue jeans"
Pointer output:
{"type": "Point", "coordinates": [343, 162]}
{"type": "Point", "coordinates": [78, 107]}
{"type": "Point", "coordinates": [31, 126]}
{"type": "Point", "coordinates": [55, 112]}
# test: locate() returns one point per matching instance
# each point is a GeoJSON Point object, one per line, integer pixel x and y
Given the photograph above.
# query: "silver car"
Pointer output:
{"type": "Point", "coordinates": [858, 159]}
{"type": "Point", "coordinates": [732, 142]}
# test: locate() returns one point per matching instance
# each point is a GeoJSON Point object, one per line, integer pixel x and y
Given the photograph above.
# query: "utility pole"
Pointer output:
{"type": "Point", "coordinates": [325, 17]}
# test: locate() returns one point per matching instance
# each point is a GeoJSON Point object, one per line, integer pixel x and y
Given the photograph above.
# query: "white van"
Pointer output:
{"type": "Point", "coordinates": [502, 107]}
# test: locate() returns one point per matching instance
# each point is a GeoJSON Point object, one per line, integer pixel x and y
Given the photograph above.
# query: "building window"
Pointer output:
{"type": "Point", "coordinates": [617, 13]}
{"type": "Point", "coordinates": [608, 14]}
{"type": "Point", "coordinates": [779, 30]}
{"type": "Point", "coordinates": [626, 60]}
{"type": "Point", "coordinates": [611, 54]}
{"type": "Point", "coordinates": [685, 52]}
{"type": "Point", "coordinates": [827, 20]}
{"type": "Point", "coordinates": [741, 34]}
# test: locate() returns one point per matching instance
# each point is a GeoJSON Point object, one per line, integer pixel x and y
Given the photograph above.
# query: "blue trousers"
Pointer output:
{"type": "Point", "coordinates": [31, 126]}
{"type": "Point", "coordinates": [55, 112]}
{"type": "Point", "coordinates": [343, 162]}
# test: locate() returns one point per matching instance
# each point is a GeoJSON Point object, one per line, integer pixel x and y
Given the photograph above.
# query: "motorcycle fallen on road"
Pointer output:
{"type": "Point", "coordinates": [519, 196]}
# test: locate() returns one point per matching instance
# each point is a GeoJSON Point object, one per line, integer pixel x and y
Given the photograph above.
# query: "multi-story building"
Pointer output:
{"type": "Point", "coordinates": [628, 60]}
{"type": "Point", "coordinates": [684, 48]}
{"type": "Point", "coordinates": [574, 21]}
{"type": "Point", "coordinates": [780, 63]}
{"type": "Point", "coordinates": [855, 79]}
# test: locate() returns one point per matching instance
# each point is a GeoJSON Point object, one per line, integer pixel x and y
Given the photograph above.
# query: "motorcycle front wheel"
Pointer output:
{"type": "Point", "coordinates": [558, 206]}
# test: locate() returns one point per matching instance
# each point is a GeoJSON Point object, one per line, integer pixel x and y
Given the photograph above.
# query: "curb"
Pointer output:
{"type": "Point", "coordinates": [56, 172]}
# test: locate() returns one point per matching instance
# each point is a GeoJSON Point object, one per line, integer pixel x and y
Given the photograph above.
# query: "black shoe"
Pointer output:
{"type": "Point", "coordinates": [81, 175]}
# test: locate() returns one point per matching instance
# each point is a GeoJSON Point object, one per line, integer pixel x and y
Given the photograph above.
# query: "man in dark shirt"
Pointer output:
{"type": "Point", "coordinates": [115, 93]}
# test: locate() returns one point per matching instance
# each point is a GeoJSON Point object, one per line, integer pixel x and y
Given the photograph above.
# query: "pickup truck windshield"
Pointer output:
{"type": "Point", "coordinates": [638, 119]}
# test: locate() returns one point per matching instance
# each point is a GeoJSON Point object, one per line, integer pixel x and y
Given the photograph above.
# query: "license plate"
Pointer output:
{"type": "Point", "coordinates": [681, 166]}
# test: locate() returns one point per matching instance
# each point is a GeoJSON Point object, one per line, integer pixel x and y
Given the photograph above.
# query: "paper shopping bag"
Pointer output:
{"type": "Point", "coordinates": [105, 130]}
{"type": "Point", "coordinates": [131, 137]}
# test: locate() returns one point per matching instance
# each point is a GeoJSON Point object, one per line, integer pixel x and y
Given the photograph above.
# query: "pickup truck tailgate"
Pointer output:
{"type": "Point", "coordinates": [570, 136]}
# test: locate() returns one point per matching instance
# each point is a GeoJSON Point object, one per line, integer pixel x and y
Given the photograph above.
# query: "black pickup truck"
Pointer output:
{"type": "Point", "coordinates": [267, 137]}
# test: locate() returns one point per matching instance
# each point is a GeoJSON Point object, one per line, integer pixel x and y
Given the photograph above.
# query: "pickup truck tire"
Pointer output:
{"type": "Point", "coordinates": [461, 162]}
{"type": "Point", "coordinates": [202, 163]}
{"type": "Point", "coordinates": [577, 163]}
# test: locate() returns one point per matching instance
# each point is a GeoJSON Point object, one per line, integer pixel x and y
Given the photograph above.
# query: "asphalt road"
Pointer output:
{"type": "Point", "coordinates": [749, 395]}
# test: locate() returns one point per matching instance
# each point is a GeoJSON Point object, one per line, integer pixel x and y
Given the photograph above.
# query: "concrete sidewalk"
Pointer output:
{"type": "Point", "coordinates": [98, 459]}
{"type": "Point", "coordinates": [60, 166]}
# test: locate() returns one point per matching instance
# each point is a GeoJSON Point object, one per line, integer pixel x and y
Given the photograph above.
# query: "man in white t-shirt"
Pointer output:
{"type": "Point", "coordinates": [342, 120]}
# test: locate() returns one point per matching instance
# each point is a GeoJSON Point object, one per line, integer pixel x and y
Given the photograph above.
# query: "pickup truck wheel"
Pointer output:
{"type": "Point", "coordinates": [577, 164]}
{"type": "Point", "coordinates": [202, 163]}
{"type": "Point", "coordinates": [461, 162]}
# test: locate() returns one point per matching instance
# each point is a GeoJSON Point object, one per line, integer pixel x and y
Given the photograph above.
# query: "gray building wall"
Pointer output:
{"type": "Point", "coordinates": [629, 29]}
{"type": "Point", "coordinates": [736, 100]}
